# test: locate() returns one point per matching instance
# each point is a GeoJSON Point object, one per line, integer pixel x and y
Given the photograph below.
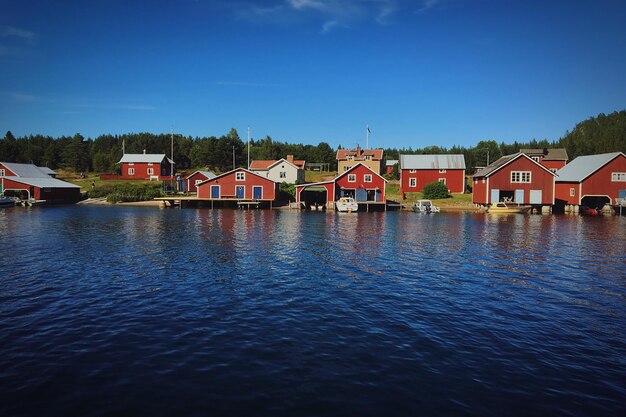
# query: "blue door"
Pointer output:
{"type": "Point", "coordinates": [519, 196]}
{"type": "Point", "coordinates": [378, 196]}
{"type": "Point", "coordinates": [239, 191]}
{"type": "Point", "coordinates": [215, 191]}
{"type": "Point", "coordinates": [361, 194]}
{"type": "Point", "coordinates": [622, 193]}
{"type": "Point", "coordinates": [257, 192]}
{"type": "Point", "coordinates": [495, 196]}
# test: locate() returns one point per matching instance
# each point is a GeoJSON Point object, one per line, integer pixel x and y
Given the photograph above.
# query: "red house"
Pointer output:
{"type": "Point", "coordinates": [592, 180]}
{"type": "Point", "coordinates": [360, 182]}
{"type": "Point", "coordinates": [553, 159]}
{"type": "Point", "coordinates": [30, 182]}
{"type": "Point", "coordinates": [196, 178]}
{"type": "Point", "coordinates": [238, 184]}
{"type": "Point", "coordinates": [146, 166]}
{"type": "Point", "coordinates": [514, 178]}
{"type": "Point", "coordinates": [416, 171]}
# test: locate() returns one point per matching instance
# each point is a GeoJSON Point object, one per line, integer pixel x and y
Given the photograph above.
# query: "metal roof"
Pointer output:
{"type": "Point", "coordinates": [391, 162]}
{"type": "Point", "coordinates": [43, 182]}
{"type": "Point", "coordinates": [432, 161]}
{"type": "Point", "coordinates": [583, 166]}
{"type": "Point", "coordinates": [150, 158]}
{"type": "Point", "coordinates": [47, 171]}
{"type": "Point", "coordinates": [551, 154]}
{"type": "Point", "coordinates": [25, 170]}
{"type": "Point", "coordinates": [505, 160]}
{"type": "Point", "coordinates": [208, 174]}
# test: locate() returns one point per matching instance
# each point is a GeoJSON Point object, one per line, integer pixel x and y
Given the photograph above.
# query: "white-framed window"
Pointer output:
{"type": "Point", "coordinates": [412, 171]}
{"type": "Point", "coordinates": [349, 158]}
{"type": "Point", "coordinates": [150, 171]}
{"type": "Point", "coordinates": [131, 164]}
{"type": "Point", "coordinates": [572, 192]}
{"type": "Point", "coordinates": [442, 171]}
{"type": "Point", "coordinates": [520, 176]}
{"type": "Point", "coordinates": [368, 158]}
{"type": "Point", "coordinates": [442, 180]}
{"type": "Point", "coordinates": [131, 171]}
{"type": "Point", "coordinates": [553, 170]}
{"type": "Point", "coordinates": [413, 182]}
{"type": "Point", "coordinates": [282, 174]}
{"type": "Point", "coordinates": [240, 176]}
{"type": "Point", "coordinates": [150, 164]}
{"type": "Point", "coordinates": [367, 178]}
{"type": "Point", "coordinates": [196, 182]}
{"type": "Point", "coordinates": [351, 177]}
{"type": "Point", "coordinates": [345, 168]}
{"type": "Point", "coordinates": [618, 176]}
{"type": "Point", "coordinates": [535, 158]}
{"type": "Point", "coordinates": [2, 173]}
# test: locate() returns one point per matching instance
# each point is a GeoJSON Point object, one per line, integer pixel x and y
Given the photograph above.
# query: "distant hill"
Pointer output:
{"type": "Point", "coordinates": [600, 134]}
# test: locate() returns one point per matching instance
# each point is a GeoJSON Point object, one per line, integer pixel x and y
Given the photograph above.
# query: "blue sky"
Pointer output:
{"type": "Point", "coordinates": [420, 73]}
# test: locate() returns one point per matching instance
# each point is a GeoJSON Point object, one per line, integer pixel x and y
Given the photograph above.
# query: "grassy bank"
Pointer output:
{"type": "Point", "coordinates": [115, 191]}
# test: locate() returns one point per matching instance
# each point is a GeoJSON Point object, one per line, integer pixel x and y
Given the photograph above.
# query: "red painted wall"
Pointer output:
{"type": "Point", "coordinates": [599, 183]}
{"type": "Point", "coordinates": [540, 180]}
{"type": "Point", "coordinates": [191, 181]}
{"type": "Point", "coordinates": [553, 164]}
{"type": "Point", "coordinates": [329, 191]}
{"type": "Point", "coordinates": [562, 192]}
{"type": "Point", "coordinates": [43, 193]}
{"type": "Point", "coordinates": [360, 171]}
{"type": "Point", "coordinates": [228, 183]}
{"type": "Point", "coordinates": [141, 170]}
{"type": "Point", "coordinates": [479, 191]}
{"type": "Point", "coordinates": [7, 171]}
{"type": "Point", "coordinates": [455, 179]}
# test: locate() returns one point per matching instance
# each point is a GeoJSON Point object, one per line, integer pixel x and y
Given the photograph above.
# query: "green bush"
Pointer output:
{"type": "Point", "coordinates": [287, 191]}
{"type": "Point", "coordinates": [436, 190]}
{"type": "Point", "coordinates": [127, 192]}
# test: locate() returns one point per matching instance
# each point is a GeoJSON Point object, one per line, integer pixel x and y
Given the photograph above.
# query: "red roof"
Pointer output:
{"type": "Point", "coordinates": [358, 153]}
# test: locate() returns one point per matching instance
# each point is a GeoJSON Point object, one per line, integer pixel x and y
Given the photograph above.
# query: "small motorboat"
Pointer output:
{"type": "Point", "coordinates": [425, 206]}
{"type": "Point", "coordinates": [6, 202]}
{"type": "Point", "coordinates": [588, 211]}
{"type": "Point", "coordinates": [346, 204]}
{"type": "Point", "coordinates": [505, 208]}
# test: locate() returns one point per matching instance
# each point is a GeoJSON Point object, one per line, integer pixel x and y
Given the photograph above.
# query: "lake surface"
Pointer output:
{"type": "Point", "coordinates": [138, 311]}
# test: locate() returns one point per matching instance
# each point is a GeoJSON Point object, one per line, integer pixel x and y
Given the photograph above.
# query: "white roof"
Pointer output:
{"type": "Point", "coordinates": [207, 174]}
{"type": "Point", "coordinates": [25, 170]}
{"type": "Point", "coordinates": [391, 162]}
{"type": "Point", "coordinates": [583, 166]}
{"type": "Point", "coordinates": [432, 161]}
{"type": "Point", "coordinates": [43, 182]}
{"type": "Point", "coordinates": [150, 158]}
{"type": "Point", "coordinates": [47, 170]}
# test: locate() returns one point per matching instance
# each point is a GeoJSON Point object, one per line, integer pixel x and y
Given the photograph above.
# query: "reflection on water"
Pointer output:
{"type": "Point", "coordinates": [125, 311]}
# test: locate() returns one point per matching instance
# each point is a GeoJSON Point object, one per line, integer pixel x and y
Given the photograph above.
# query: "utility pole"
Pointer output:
{"type": "Point", "coordinates": [172, 155]}
{"type": "Point", "coordinates": [248, 147]}
{"type": "Point", "coordinates": [367, 136]}
{"type": "Point", "coordinates": [234, 157]}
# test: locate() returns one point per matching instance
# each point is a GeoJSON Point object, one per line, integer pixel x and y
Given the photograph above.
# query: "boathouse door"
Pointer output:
{"type": "Point", "coordinates": [535, 196]}
{"type": "Point", "coordinates": [495, 196]}
{"type": "Point", "coordinates": [240, 191]}
{"type": "Point", "coordinates": [215, 191]}
{"type": "Point", "coordinates": [257, 192]}
{"type": "Point", "coordinates": [361, 194]}
{"type": "Point", "coordinates": [519, 196]}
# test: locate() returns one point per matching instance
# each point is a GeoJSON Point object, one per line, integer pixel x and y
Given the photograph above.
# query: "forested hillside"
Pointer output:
{"type": "Point", "coordinates": [604, 133]}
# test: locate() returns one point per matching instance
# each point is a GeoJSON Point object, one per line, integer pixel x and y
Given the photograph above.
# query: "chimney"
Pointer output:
{"type": "Point", "coordinates": [290, 158]}
{"type": "Point", "coordinates": [358, 150]}
{"type": "Point", "coordinates": [545, 151]}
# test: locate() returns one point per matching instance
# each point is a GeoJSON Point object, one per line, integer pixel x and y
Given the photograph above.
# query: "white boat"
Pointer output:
{"type": "Point", "coordinates": [425, 206]}
{"type": "Point", "coordinates": [346, 204]}
{"type": "Point", "coordinates": [501, 207]}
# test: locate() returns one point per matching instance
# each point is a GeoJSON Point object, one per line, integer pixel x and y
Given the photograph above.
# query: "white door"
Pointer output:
{"type": "Point", "coordinates": [535, 196]}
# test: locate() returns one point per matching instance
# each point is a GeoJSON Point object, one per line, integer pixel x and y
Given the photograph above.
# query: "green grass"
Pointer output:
{"type": "Point", "coordinates": [319, 176]}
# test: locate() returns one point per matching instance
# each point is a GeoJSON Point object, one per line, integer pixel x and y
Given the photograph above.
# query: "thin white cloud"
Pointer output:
{"type": "Point", "coordinates": [426, 6]}
{"type": "Point", "coordinates": [11, 31]}
{"type": "Point", "coordinates": [139, 107]}
{"type": "Point", "coordinates": [28, 98]}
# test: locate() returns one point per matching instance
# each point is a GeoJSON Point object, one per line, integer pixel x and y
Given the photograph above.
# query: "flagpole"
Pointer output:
{"type": "Point", "coordinates": [367, 136]}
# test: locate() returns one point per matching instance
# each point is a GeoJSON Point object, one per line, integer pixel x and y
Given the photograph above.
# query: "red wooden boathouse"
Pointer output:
{"type": "Point", "coordinates": [416, 171]}
{"type": "Point", "coordinates": [238, 184]}
{"type": "Point", "coordinates": [196, 178]}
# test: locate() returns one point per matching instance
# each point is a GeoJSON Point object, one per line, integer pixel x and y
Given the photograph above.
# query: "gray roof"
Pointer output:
{"type": "Point", "coordinates": [553, 154]}
{"type": "Point", "coordinates": [151, 158]}
{"type": "Point", "coordinates": [583, 166]}
{"type": "Point", "coordinates": [43, 182]}
{"type": "Point", "coordinates": [208, 174]}
{"type": "Point", "coordinates": [25, 170]}
{"type": "Point", "coordinates": [502, 161]}
{"type": "Point", "coordinates": [47, 170]}
{"type": "Point", "coordinates": [391, 162]}
{"type": "Point", "coordinates": [432, 162]}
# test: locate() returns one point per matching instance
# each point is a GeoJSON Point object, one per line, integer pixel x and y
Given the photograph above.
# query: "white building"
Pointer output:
{"type": "Point", "coordinates": [286, 170]}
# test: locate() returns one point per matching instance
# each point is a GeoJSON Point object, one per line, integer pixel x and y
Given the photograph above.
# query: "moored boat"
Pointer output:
{"type": "Point", "coordinates": [346, 204]}
{"type": "Point", "coordinates": [504, 208]}
{"type": "Point", "coordinates": [425, 206]}
{"type": "Point", "coordinates": [7, 202]}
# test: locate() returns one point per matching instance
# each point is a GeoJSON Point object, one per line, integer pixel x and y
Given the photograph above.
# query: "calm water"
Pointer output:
{"type": "Point", "coordinates": [139, 311]}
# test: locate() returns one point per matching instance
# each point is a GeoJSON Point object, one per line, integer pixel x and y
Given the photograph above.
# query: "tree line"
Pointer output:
{"type": "Point", "coordinates": [600, 134]}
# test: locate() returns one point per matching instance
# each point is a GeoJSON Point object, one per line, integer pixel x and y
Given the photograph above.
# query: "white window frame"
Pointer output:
{"type": "Point", "coordinates": [521, 177]}
{"type": "Point", "coordinates": [572, 192]}
{"type": "Point", "coordinates": [618, 176]}
{"type": "Point", "coordinates": [345, 168]}
{"type": "Point", "coordinates": [367, 178]}
{"type": "Point", "coordinates": [412, 182]}
{"type": "Point", "coordinates": [368, 158]}
{"type": "Point", "coordinates": [282, 174]}
{"type": "Point", "coordinates": [2, 173]}
{"type": "Point", "coordinates": [240, 176]}
{"type": "Point", "coordinates": [442, 180]}
{"type": "Point", "coordinates": [131, 164]}
{"type": "Point", "coordinates": [535, 158]}
{"type": "Point", "coordinates": [131, 171]}
{"type": "Point", "coordinates": [150, 164]}
{"type": "Point", "coordinates": [150, 171]}
{"type": "Point", "coordinates": [442, 171]}
{"type": "Point", "coordinates": [351, 177]}
{"type": "Point", "coordinates": [196, 182]}
{"type": "Point", "coordinates": [412, 171]}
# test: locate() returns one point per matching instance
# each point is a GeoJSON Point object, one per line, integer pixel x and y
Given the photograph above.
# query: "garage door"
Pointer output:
{"type": "Point", "coordinates": [535, 196]}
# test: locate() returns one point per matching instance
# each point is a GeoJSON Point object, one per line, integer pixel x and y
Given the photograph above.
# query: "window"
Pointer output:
{"type": "Point", "coordinates": [197, 182]}
{"type": "Point", "coordinates": [413, 182]}
{"type": "Point", "coordinates": [442, 171]}
{"type": "Point", "coordinates": [442, 180]}
{"type": "Point", "coordinates": [618, 176]}
{"type": "Point", "coordinates": [240, 176]}
{"type": "Point", "coordinates": [572, 192]}
{"type": "Point", "coordinates": [2, 173]}
{"type": "Point", "coordinates": [131, 171]}
{"type": "Point", "coordinates": [131, 164]}
{"type": "Point", "coordinates": [351, 177]}
{"type": "Point", "coordinates": [520, 176]}
{"type": "Point", "coordinates": [535, 158]}
{"type": "Point", "coordinates": [345, 168]}
{"type": "Point", "coordinates": [150, 171]}
{"type": "Point", "coordinates": [283, 174]}
{"type": "Point", "coordinates": [149, 164]}
{"type": "Point", "coordinates": [412, 171]}
{"type": "Point", "coordinates": [367, 178]}
{"type": "Point", "coordinates": [368, 158]}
